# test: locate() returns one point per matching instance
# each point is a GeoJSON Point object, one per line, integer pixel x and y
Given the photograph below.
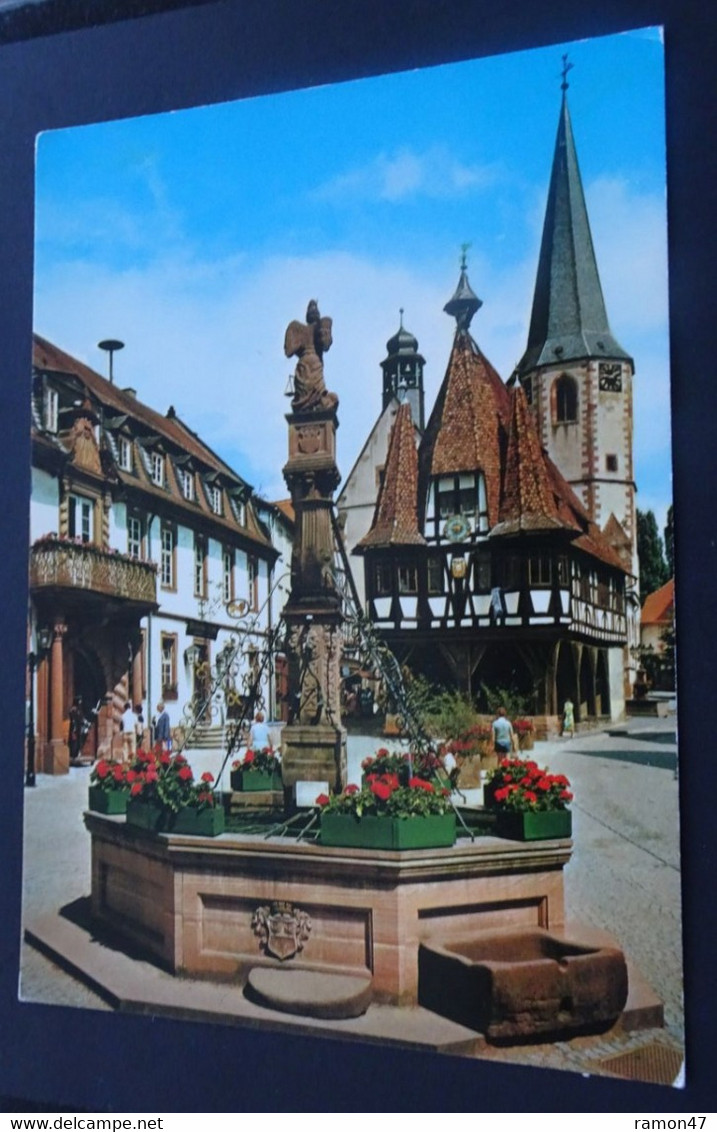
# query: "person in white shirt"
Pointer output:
{"type": "Point", "coordinates": [128, 723]}
{"type": "Point", "coordinates": [259, 738]}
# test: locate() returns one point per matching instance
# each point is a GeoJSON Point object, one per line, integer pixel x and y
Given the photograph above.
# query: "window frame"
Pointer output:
{"type": "Point", "coordinates": [138, 539]}
{"type": "Point", "coordinates": [566, 400]}
{"type": "Point", "coordinates": [200, 572]}
{"type": "Point", "coordinates": [157, 464]}
{"type": "Point", "coordinates": [168, 557]}
{"type": "Point", "coordinates": [168, 664]}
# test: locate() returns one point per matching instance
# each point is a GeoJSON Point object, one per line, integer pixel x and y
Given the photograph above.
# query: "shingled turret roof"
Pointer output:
{"type": "Point", "coordinates": [395, 521]}
{"type": "Point", "coordinates": [467, 429]}
{"type": "Point", "coordinates": [569, 320]}
{"type": "Point", "coordinates": [528, 501]}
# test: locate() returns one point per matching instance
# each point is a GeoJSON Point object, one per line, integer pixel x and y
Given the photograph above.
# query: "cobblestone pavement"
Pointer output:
{"type": "Point", "coordinates": [623, 877]}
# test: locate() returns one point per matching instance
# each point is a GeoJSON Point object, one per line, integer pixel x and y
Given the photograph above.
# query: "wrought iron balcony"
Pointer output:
{"type": "Point", "coordinates": [61, 564]}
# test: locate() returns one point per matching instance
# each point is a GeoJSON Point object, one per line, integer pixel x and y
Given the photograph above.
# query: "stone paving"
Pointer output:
{"type": "Point", "coordinates": [624, 875]}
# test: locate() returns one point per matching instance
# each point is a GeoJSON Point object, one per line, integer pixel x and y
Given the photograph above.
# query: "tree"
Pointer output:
{"type": "Point", "coordinates": [651, 554]}
{"type": "Point", "coordinates": [670, 543]}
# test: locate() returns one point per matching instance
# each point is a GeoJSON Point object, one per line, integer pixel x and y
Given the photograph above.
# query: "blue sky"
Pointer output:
{"type": "Point", "coordinates": [196, 237]}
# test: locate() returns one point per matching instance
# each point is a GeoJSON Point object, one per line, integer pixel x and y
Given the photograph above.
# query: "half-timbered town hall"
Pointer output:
{"type": "Point", "coordinates": [502, 548]}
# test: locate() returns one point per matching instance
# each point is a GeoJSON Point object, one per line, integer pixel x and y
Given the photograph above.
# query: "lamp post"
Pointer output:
{"type": "Point", "coordinates": [43, 644]}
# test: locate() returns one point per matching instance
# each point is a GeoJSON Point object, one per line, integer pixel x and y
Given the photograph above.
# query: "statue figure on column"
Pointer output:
{"type": "Point", "coordinates": [308, 342]}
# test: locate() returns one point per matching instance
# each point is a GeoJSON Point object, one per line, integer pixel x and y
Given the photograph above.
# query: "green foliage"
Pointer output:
{"type": "Point", "coordinates": [446, 713]}
{"type": "Point", "coordinates": [650, 552]}
{"type": "Point", "coordinates": [515, 703]}
{"type": "Point", "coordinates": [670, 542]}
{"type": "Point", "coordinates": [383, 794]}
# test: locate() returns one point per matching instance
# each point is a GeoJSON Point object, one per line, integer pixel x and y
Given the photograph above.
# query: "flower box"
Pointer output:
{"type": "Point", "coordinates": [107, 801]}
{"type": "Point", "coordinates": [383, 831]}
{"type": "Point", "coordinates": [533, 825]}
{"type": "Point", "coordinates": [252, 781]}
{"type": "Point", "coordinates": [208, 822]}
{"type": "Point", "coordinates": [526, 740]}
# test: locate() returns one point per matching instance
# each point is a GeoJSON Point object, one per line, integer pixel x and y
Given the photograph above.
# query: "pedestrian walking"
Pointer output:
{"type": "Point", "coordinates": [162, 733]}
{"type": "Point", "coordinates": [568, 718]}
{"type": "Point", "coordinates": [259, 737]}
{"type": "Point", "coordinates": [502, 733]}
{"type": "Point", "coordinates": [77, 733]}
{"type": "Point", "coordinates": [128, 724]}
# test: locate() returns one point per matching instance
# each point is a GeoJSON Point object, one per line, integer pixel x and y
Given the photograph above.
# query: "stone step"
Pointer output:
{"type": "Point", "coordinates": [206, 738]}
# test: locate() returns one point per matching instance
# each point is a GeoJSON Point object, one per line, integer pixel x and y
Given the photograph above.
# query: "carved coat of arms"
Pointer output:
{"type": "Point", "coordinates": [282, 929]}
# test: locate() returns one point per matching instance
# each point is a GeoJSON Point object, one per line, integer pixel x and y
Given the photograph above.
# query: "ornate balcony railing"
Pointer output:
{"type": "Point", "coordinates": [61, 564]}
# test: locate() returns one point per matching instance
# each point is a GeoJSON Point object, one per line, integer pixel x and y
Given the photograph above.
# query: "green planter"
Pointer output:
{"type": "Point", "coordinates": [373, 831]}
{"type": "Point", "coordinates": [252, 781]}
{"type": "Point", "coordinates": [530, 826]}
{"type": "Point", "coordinates": [201, 823]}
{"type": "Point", "coordinates": [107, 801]}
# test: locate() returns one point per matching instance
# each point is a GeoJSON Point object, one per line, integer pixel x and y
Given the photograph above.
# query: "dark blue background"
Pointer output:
{"type": "Point", "coordinates": [218, 51]}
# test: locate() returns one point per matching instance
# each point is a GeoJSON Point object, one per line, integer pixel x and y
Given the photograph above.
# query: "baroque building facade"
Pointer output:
{"type": "Point", "coordinates": [502, 546]}
{"type": "Point", "coordinates": [147, 554]}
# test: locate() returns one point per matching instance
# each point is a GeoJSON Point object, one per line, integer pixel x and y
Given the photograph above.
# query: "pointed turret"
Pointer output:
{"type": "Point", "coordinates": [396, 518]}
{"type": "Point", "coordinates": [569, 319]}
{"type": "Point", "coordinates": [403, 372]}
{"type": "Point", "coordinates": [466, 430]}
{"type": "Point", "coordinates": [528, 502]}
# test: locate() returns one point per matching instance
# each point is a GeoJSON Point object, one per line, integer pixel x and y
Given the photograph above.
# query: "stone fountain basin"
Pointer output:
{"type": "Point", "coordinates": [517, 984]}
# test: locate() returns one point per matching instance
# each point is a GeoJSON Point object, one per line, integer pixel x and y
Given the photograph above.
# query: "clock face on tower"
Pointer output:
{"type": "Point", "coordinates": [610, 377]}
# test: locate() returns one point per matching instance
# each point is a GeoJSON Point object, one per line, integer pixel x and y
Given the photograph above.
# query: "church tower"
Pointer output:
{"type": "Point", "coordinates": [576, 376]}
{"type": "Point", "coordinates": [403, 373]}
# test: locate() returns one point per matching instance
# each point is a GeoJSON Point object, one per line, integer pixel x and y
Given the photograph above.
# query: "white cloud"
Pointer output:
{"type": "Point", "coordinates": [433, 173]}
{"type": "Point", "coordinates": [207, 335]}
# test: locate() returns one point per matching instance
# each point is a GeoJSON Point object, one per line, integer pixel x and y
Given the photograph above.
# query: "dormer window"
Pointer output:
{"type": "Point", "coordinates": [156, 468]}
{"type": "Point", "coordinates": [124, 453]}
{"type": "Point", "coordinates": [50, 409]}
{"type": "Point", "coordinates": [214, 493]}
{"type": "Point", "coordinates": [186, 483]}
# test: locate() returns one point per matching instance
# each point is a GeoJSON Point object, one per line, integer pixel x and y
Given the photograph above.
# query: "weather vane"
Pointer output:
{"type": "Point", "coordinates": [564, 73]}
{"type": "Point", "coordinates": [464, 252]}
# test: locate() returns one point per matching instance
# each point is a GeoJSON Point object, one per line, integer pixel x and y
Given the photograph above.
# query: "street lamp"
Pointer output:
{"type": "Point", "coordinates": [44, 639]}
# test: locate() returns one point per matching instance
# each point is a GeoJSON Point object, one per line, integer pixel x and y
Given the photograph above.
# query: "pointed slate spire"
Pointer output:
{"type": "Point", "coordinates": [569, 320]}
{"type": "Point", "coordinates": [395, 522]}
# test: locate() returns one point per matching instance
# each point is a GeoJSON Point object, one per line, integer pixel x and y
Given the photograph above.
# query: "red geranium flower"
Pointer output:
{"type": "Point", "coordinates": [136, 789]}
{"type": "Point", "coordinates": [382, 790]}
{"type": "Point", "coordinates": [352, 788]}
{"type": "Point", "coordinates": [249, 757]}
{"type": "Point", "coordinates": [151, 774]}
{"type": "Point", "coordinates": [102, 769]}
{"type": "Point", "coordinates": [421, 784]}
{"type": "Point", "coordinates": [207, 777]}
{"type": "Point", "coordinates": [131, 775]}
{"type": "Point", "coordinates": [323, 800]}
{"type": "Point", "coordinates": [185, 773]}
{"type": "Point", "coordinates": [118, 773]}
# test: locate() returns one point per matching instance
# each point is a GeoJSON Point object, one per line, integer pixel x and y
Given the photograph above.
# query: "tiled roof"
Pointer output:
{"type": "Point", "coordinates": [466, 430]}
{"type": "Point", "coordinates": [176, 439]}
{"type": "Point", "coordinates": [48, 356]}
{"type": "Point", "coordinates": [573, 514]}
{"type": "Point", "coordinates": [659, 607]}
{"type": "Point", "coordinates": [395, 521]}
{"type": "Point", "coordinates": [528, 501]}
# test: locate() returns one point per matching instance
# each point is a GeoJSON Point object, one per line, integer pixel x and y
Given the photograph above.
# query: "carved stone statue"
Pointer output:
{"type": "Point", "coordinates": [309, 341]}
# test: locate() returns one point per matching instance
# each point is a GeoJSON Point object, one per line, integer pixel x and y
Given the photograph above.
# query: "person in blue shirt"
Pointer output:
{"type": "Point", "coordinates": [502, 733]}
{"type": "Point", "coordinates": [162, 733]}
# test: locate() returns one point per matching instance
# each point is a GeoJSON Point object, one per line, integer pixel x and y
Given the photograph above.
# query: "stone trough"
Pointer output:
{"type": "Point", "coordinates": [517, 984]}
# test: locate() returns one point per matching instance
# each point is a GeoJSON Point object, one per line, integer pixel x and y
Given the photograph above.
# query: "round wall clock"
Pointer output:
{"type": "Point", "coordinates": [456, 528]}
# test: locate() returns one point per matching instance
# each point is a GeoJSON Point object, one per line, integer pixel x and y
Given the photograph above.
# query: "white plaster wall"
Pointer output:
{"type": "Point", "coordinates": [44, 504]}
{"type": "Point", "coordinates": [616, 677]}
{"type": "Point", "coordinates": [357, 500]}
